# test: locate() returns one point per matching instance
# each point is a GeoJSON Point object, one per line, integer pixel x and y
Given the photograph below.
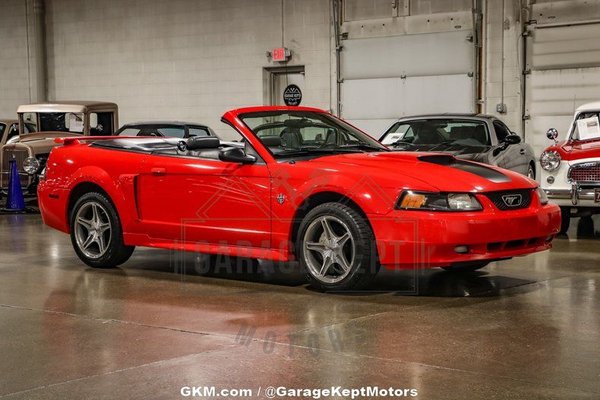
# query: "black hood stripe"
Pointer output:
{"type": "Point", "coordinates": [476, 169]}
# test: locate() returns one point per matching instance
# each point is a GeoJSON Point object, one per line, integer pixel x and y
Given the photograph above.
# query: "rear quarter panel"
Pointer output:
{"type": "Point", "coordinates": [115, 172]}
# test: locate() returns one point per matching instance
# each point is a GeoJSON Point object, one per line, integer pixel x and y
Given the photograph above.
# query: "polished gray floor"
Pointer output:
{"type": "Point", "coordinates": [522, 329]}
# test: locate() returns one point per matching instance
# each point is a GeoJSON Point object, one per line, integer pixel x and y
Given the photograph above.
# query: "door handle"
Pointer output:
{"type": "Point", "coordinates": [158, 171]}
{"type": "Point", "coordinates": [522, 151]}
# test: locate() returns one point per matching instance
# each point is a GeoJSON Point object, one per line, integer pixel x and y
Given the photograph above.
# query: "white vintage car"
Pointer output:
{"type": "Point", "coordinates": [571, 168]}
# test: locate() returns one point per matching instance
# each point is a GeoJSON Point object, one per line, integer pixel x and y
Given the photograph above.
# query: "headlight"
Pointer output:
{"type": "Point", "coordinates": [543, 196]}
{"type": "Point", "coordinates": [31, 165]}
{"type": "Point", "coordinates": [410, 200]}
{"type": "Point", "coordinates": [550, 160]}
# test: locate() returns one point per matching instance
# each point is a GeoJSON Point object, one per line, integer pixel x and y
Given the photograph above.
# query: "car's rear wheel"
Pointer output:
{"type": "Point", "coordinates": [565, 219]}
{"type": "Point", "coordinates": [96, 232]}
{"type": "Point", "coordinates": [466, 268]}
{"type": "Point", "coordinates": [336, 247]}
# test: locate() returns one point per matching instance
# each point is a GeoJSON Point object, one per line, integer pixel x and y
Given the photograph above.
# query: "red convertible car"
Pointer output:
{"type": "Point", "coordinates": [298, 184]}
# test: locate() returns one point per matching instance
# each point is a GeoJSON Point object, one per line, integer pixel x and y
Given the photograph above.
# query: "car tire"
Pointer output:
{"type": "Point", "coordinates": [96, 232]}
{"type": "Point", "coordinates": [531, 172]}
{"type": "Point", "coordinates": [336, 248]}
{"type": "Point", "coordinates": [465, 268]}
{"type": "Point", "coordinates": [565, 220]}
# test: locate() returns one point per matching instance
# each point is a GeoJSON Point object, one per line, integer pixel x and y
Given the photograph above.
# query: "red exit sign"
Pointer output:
{"type": "Point", "coordinates": [280, 54]}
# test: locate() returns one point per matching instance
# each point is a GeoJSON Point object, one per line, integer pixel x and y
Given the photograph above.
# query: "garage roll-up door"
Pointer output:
{"type": "Point", "coordinates": [387, 77]}
{"type": "Point", "coordinates": [563, 72]}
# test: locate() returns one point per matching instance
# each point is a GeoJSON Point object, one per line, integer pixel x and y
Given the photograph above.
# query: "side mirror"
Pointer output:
{"type": "Point", "coordinates": [552, 134]}
{"type": "Point", "coordinates": [512, 139]}
{"type": "Point", "coordinates": [200, 142]}
{"type": "Point", "coordinates": [236, 155]}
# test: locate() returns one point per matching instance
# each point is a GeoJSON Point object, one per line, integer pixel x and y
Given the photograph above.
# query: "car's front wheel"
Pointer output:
{"type": "Point", "coordinates": [96, 232]}
{"type": "Point", "coordinates": [336, 247]}
{"type": "Point", "coordinates": [531, 172]}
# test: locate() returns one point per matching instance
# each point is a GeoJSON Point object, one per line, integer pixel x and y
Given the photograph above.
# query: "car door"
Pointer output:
{"type": "Point", "coordinates": [509, 156]}
{"type": "Point", "coordinates": [205, 200]}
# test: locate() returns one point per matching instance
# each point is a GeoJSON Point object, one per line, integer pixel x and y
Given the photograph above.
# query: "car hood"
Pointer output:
{"type": "Point", "coordinates": [574, 150]}
{"type": "Point", "coordinates": [34, 137]}
{"type": "Point", "coordinates": [41, 142]}
{"type": "Point", "coordinates": [474, 153]}
{"type": "Point", "coordinates": [424, 171]}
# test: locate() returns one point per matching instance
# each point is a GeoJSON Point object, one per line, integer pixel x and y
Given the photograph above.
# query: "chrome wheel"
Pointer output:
{"type": "Point", "coordinates": [92, 230]}
{"type": "Point", "coordinates": [329, 249]}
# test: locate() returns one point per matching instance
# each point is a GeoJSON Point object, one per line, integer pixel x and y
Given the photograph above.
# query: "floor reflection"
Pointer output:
{"type": "Point", "coordinates": [419, 282]}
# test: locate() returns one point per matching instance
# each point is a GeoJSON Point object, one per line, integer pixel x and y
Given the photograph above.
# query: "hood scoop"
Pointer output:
{"type": "Point", "coordinates": [440, 159]}
{"type": "Point", "coordinates": [482, 171]}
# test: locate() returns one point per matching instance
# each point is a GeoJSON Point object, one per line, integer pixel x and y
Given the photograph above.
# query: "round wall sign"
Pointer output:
{"type": "Point", "coordinates": [292, 95]}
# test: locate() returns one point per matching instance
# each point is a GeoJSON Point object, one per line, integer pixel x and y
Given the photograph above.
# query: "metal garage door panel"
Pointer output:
{"type": "Point", "coordinates": [566, 46]}
{"type": "Point", "coordinates": [387, 99]}
{"type": "Point", "coordinates": [553, 96]}
{"type": "Point", "coordinates": [411, 55]}
{"type": "Point", "coordinates": [374, 127]}
{"type": "Point", "coordinates": [437, 94]}
{"type": "Point", "coordinates": [372, 98]}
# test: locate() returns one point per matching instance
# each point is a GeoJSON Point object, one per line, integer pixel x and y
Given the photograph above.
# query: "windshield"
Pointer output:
{"type": "Point", "coordinates": [53, 122]}
{"type": "Point", "coordinates": [298, 133]}
{"type": "Point", "coordinates": [437, 132]}
{"type": "Point", "coordinates": [586, 126]}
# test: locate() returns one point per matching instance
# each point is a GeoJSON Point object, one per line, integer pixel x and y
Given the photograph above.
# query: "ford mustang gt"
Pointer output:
{"type": "Point", "coordinates": [298, 184]}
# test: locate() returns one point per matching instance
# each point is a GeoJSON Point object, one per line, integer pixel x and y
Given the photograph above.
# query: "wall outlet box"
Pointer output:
{"type": "Point", "coordinates": [501, 108]}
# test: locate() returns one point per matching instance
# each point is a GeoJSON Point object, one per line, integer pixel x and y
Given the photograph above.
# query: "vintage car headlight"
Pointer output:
{"type": "Point", "coordinates": [550, 160]}
{"type": "Point", "coordinates": [410, 200]}
{"type": "Point", "coordinates": [31, 165]}
{"type": "Point", "coordinates": [543, 196]}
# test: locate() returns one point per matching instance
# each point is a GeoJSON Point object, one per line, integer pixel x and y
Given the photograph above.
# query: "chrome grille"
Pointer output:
{"type": "Point", "coordinates": [19, 155]}
{"type": "Point", "coordinates": [585, 173]}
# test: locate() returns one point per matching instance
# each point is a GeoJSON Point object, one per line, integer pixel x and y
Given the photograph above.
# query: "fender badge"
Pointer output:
{"type": "Point", "coordinates": [280, 198]}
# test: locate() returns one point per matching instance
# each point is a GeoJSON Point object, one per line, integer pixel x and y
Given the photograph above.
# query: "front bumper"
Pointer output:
{"type": "Point", "coordinates": [576, 196]}
{"type": "Point", "coordinates": [416, 239]}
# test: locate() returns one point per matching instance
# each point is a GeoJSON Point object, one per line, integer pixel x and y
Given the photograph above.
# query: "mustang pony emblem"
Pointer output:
{"type": "Point", "coordinates": [512, 200]}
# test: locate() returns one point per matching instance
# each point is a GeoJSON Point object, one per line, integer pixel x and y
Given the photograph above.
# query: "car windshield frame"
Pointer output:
{"type": "Point", "coordinates": [446, 120]}
{"type": "Point", "coordinates": [365, 142]}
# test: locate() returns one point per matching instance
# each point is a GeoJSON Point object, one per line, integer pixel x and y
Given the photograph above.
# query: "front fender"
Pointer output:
{"type": "Point", "coordinates": [370, 196]}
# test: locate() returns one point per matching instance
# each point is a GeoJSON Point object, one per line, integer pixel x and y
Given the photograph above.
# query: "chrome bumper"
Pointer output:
{"type": "Point", "coordinates": [576, 193]}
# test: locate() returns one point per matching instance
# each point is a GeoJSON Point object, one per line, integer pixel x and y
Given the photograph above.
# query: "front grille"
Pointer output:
{"type": "Point", "coordinates": [511, 200]}
{"type": "Point", "coordinates": [19, 155]}
{"type": "Point", "coordinates": [585, 173]}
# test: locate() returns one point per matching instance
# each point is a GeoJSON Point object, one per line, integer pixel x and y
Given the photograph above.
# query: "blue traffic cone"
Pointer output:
{"type": "Point", "coordinates": [15, 200]}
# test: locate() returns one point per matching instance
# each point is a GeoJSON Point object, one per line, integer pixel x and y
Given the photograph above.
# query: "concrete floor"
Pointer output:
{"type": "Point", "coordinates": [521, 329]}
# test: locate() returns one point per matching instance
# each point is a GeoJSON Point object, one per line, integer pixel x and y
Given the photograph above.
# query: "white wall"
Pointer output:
{"type": "Point", "coordinates": [183, 59]}
{"type": "Point", "coordinates": [14, 73]}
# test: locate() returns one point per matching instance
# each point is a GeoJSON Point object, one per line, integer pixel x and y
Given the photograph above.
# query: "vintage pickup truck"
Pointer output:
{"type": "Point", "coordinates": [40, 124]}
